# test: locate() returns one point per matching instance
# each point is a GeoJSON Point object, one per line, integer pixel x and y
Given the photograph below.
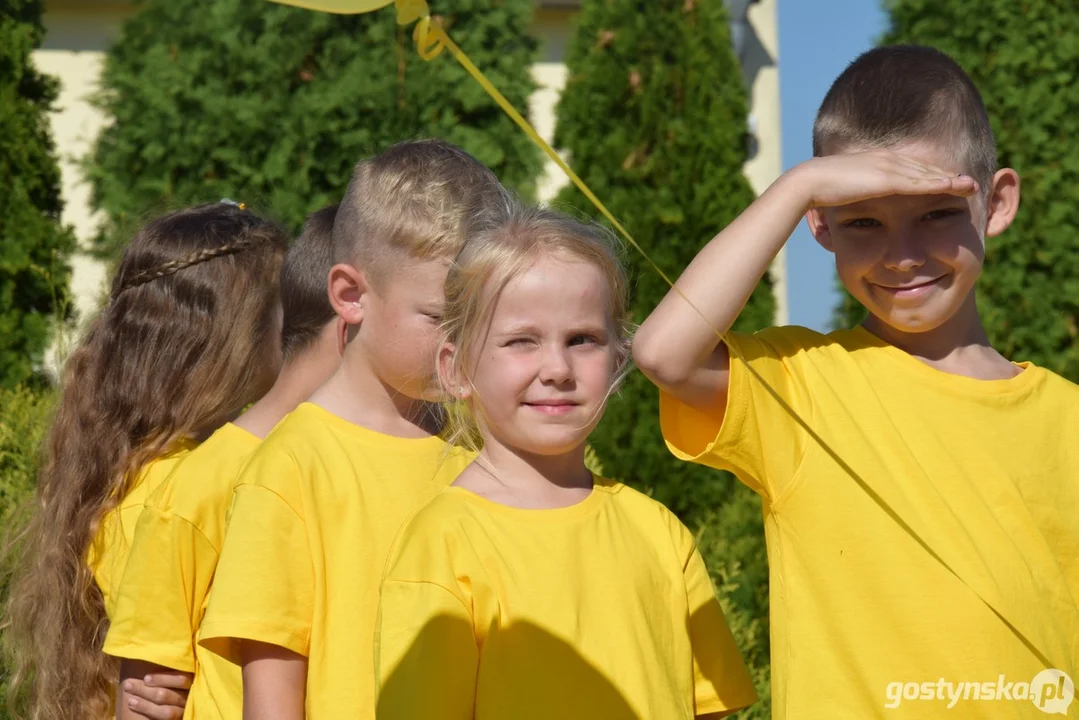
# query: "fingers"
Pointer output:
{"type": "Point", "coordinates": [176, 680]}
{"type": "Point", "coordinates": [151, 711]}
{"type": "Point", "coordinates": [156, 702]}
{"type": "Point", "coordinates": [922, 178]}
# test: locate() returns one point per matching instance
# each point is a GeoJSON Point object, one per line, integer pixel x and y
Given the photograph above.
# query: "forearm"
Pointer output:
{"type": "Point", "coordinates": [676, 339]}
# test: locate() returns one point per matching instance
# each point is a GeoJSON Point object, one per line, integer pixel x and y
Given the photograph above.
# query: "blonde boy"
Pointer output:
{"type": "Point", "coordinates": [921, 522]}
{"type": "Point", "coordinates": [296, 596]}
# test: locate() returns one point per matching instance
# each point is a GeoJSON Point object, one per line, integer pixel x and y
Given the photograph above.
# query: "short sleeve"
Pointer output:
{"type": "Point", "coordinates": [721, 682]}
{"type": "Point", "coordinates": [264, 588]}
{"type": "Point", "coordinates": [159, 603]}
{"type": "Point", "coordinates": [760, 439]}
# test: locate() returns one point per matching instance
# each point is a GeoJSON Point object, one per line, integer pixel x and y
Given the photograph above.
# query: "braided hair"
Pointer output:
{"type": "Point", "coordinates": [188, 338]}
{"type": "Point", "coordinates": [174, 266]}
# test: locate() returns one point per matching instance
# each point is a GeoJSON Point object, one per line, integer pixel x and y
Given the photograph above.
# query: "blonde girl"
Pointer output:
{"type": "Point", "coordinates": [530, 588]}
{"type": "Point", "coordinates": [187, 338]}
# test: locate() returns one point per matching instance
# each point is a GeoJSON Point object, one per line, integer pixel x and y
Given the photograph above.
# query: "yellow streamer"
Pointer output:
{"type": "Point", "coordinates": [339, 7]}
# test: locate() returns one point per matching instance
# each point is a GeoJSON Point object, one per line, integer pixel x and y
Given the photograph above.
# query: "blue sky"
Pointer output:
{"type": "Point", "coordinates": [817, 39]}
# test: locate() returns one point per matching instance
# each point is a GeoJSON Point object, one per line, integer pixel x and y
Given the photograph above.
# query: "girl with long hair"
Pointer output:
{"type": "Point", "coordinates": [187, 339]}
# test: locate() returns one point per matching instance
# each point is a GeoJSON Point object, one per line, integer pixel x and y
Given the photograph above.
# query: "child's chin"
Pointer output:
{"type": "Point", "coordinates": [551, 446]}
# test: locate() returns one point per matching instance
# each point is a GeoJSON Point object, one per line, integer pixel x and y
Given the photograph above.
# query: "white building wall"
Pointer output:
{"type": "Point", "coordinates": [762, 60]}
{"type": "Point", "coordinates": [74, 52]}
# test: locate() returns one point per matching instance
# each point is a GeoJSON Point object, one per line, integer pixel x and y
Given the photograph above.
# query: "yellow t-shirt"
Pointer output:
{"type": "Point", "coordinates": [948, 552]}
{"type": "Point", "coordinates": [311, 522]}
{"type": "Point", "coordinates": [107, 555]}
{"type": "Point", "coordinates": [602, 610]}
{"type": "Point", "coordinates": [162, 597]}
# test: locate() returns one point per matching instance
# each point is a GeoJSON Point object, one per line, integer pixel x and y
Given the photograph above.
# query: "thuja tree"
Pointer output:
{"type": "Point", "coordinates": [273, 105]}
{"type": "Point", "coordinates": [34, 247]}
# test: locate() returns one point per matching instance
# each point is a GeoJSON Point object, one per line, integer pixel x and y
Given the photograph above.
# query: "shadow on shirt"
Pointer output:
{"type": "Point", "coordinates": [441, 678]}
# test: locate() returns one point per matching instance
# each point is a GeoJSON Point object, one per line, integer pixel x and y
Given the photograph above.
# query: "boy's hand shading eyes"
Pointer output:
{"type": "Point", "coordinates": [854, 177]}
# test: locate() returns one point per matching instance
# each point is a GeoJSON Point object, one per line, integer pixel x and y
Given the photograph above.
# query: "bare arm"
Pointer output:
{"type": "Point", "coordinates": [275, 682]}
{"type": "Point", "coordinates": [151, 692]}
{"type": "Point", "coordinates": [679, 350]}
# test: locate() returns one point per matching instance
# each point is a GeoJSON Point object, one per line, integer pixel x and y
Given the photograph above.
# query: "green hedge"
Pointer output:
{"type": "Point", "coordinates": [24, 416]}
{"type": "Point", "coordinates": [273, 105]}
{"type": "Point", "coordinates": [34, 247]}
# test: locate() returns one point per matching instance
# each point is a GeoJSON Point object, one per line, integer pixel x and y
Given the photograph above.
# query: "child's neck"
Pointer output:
{"type": "Point", "coordinates": [356, 394]}
{"type": "Point", "coordinates": [299, 379]}
{"type": "Point", "coordinates": [511, 477]}
{"type": "Point", "coordinates": [959, 346]}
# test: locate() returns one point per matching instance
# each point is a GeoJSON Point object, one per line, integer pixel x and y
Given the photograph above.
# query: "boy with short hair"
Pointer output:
{"type": "Point", "coordinates": [180, 532]}
{"type": "Point", "coordinates": [920, 490]}
{"type": "Point", "coordinates": [323, 497]}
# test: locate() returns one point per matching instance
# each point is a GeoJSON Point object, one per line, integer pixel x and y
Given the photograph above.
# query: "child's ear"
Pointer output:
{"type": "Point", "coordinates": [347, 286]}
{"type": "Point", "coordinates": [818, 225]}
{"type": "Point", "coordinates": [1003, 202]}
{"type": "Point", "coordinates": [452, 381]}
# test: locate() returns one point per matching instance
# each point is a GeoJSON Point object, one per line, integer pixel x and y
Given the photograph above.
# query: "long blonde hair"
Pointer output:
{"type": "Point", "coordinates": [509, 244]}
{"type": "Point", "coordinates": [181, 347]}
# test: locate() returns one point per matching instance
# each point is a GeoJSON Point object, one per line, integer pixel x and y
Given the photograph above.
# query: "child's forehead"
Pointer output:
{"type": "Point", "coordinates": [551, 283]}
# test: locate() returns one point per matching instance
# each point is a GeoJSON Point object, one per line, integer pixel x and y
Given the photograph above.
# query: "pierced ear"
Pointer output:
{"type": "Point", "coordinates": [453, 384]}
{"type": "Point", "coordinates": [1003, 202]}
{"type": "Point", "coordinates": [818, 225]}
{"type": "Point", "coordinates": [347, 287]}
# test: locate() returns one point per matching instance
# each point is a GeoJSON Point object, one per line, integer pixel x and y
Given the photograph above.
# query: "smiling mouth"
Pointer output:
{"type": "Point", "coordinates": [553, 407]}
{"type": "Point", "coordinates": [910, 290]}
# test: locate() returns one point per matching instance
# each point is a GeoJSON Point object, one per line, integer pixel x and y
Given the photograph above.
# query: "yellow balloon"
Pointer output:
{"type": "Point", "coordinates": [340, 7]}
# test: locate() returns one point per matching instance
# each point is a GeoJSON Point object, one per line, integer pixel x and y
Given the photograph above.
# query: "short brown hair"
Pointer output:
{"type": "Point", "coordinates": [418, 198]}
{"type": "Point", "coordinates": [305, 299]}
{"type": "Point", "coordinates": [900, 93]}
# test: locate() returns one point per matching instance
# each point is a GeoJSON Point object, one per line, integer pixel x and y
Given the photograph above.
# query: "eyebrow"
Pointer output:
{"type": "Point", "coordinates": [531, 329]}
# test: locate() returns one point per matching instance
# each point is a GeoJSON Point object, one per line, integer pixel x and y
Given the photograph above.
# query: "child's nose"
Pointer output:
{"type": "Point", "coordinates": [556, 367]}
{"type": "Point", "coordinates": [905, 252]}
